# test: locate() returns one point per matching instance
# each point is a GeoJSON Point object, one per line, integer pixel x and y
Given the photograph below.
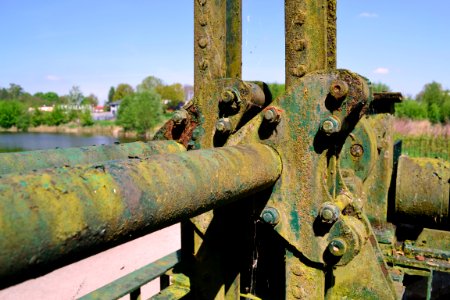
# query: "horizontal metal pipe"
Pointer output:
{"type": "Point", "coordinates": [422, 191]}
{"type": "Point", "coordinates": [40, 159]}
{"type": "Point", "coordinates": [57, 213]}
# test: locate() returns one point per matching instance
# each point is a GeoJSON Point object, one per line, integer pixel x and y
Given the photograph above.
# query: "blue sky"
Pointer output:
{"type": "Point", "coordinates": [50, 45]}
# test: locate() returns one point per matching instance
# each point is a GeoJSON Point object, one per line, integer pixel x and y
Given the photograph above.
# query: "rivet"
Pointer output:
{"type": "Point", "coordinates": [203, 42]}
{"type": "Point", "coordinates": [299, 45]}
{"type": "Point", "coordinates": [338, 89]}
{"type": "Point", "coordinates": [203, 64]}
{"type": "Point", "coordinates": [297, 292]}
{"type": "Point", "coordinates": [299, 18]}
{"type": "Point", "coordinates": [202, 21]}
{"type": "Point", "coordinates": [299, 71]}
{"type": "Point", "coordinates": [356, 150]}
{"type": "Point", "coordinates": [297, 270]}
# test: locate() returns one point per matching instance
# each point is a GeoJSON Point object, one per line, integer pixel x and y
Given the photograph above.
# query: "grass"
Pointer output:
{"type": "Point", "coordinates": [423, 139]}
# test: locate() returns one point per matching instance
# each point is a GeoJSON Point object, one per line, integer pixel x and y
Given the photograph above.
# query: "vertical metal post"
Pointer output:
{"type": "Point", "coordinates": [310, 27]}
{"type": "Point", "coordinates": [218, 40]}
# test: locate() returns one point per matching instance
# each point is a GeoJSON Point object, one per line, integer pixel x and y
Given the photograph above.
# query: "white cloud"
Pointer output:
{"type": "Point", "coordinates": [52, 78]}
{"type": "Point", "coordinates": [368, 15]}
{"type": "Point", "coordinates": [381, 70]}
{"type": "Point", "coordinates": [248, 19]}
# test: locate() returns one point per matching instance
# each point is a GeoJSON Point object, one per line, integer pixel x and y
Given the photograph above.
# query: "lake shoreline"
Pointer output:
{"type": "Point", "coordinates": [112, 131]}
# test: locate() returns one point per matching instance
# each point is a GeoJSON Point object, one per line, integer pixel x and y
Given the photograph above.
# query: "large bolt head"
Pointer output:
{"type": "Point", "coordinates": [272, 115]}
{"type": "Point", "coordinates": [223, 125]}
{"type": "Point", "coordinates": [329, 213]}
{"type": "Point", "coordinates": [228, 96]}
{"type": "Point", "coordinates": [331, 125]}
{"type": "Point", "coordinates": [337, 247]}
{"type": "Point", "coordinates": [356, 150]}
{"type": "Point", "coordinates": [338, 89]}
{"type": "Point", "coordinates": [270, 216]}
{"type": "Point", "coordinates": [180, 116]}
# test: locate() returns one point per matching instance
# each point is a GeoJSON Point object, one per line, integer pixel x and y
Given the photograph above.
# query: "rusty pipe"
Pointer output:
{"type": "Point", "coordinates": [26, 161]}
{"type": "Point", "coordinates": [422, 191]}
{"type": "Point", "coordinates": [53, 214]}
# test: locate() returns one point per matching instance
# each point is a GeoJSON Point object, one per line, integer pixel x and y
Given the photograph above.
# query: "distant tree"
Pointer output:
{"type": "Point", "coordinates": [411, 109]}
{"type": "Point", "coordinates": [140, 111]}
{"type": "Point", "coordinates": [15, 91]}
{"type": "Point", "coordinates": [111, 93]}
{"type": "Point", "coordinates": [380, 87]}
{"type": "Point", "coordinates": [435, 98]}
{"type": "Point", "coordinates": [4, 94]}
{"type": "Point", "coordinates": [86, 118]}
{"type": "Point", "coordinates": [75, 95]}
{"type": "Point", "coordinates": [56, 117]}
{"type": "Point", "coordinates": [10, 113]}
{"type": "Point", "coordinates": [174, 93]}
{"type": "Point", "coordinates": [37, 117]}
{"type": "Point", "coordinates": [149, 83]}
{"type": "Point", "coordinates": [276, 89]}
{"type": "Point", "coordinates": [91, 100]}
{"type": "Point", "coordinates": [49, 98]}
{"type": "Point", "coordinates": [122, 91]}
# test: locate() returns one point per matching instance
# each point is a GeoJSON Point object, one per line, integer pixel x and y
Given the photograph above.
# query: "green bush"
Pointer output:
{"type": "Point", "coordinates": [12, 113]}
{"type": "Point", "coordinates": [140, 111]}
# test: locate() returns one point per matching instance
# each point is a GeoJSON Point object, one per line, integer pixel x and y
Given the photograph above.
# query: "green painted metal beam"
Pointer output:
{"type": "Point", "coordinates": [28, 161]}
{"type": "Point", "coordinates": [56, 213]}
{"type": "Point", "coordinates": [130, 282]}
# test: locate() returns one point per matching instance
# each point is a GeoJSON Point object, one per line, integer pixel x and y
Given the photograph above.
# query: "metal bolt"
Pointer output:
{"type": "Point", "coordinates": [203, 64]}
{"type": "Point", "coordinates": [338, 89]}
{"type": "Point", "coordinates": [180, 116]}
{"type": "Point", "coordinates": [228, 96]}
{"type": "Point", "coordinates": [223, 125]}
{"type": "Point", "coordinates": [272, 115]}
{"type": "Point", "coordinates": [299, 71]}
{"type": "Point", "coordinates": [203, 42]}
{"type": "Point", "coordinates": [331, 125]}
{"type": "Point", "coordinates": [270, 216]}
{"type": "Point", "coordinates": [356, 150]}
{"type": "Point", "coordinates": [329, 213]}
{"type": "Point", "coordinates": [337, 247]}
{"type": "Point", "coordinates": [299, 45]}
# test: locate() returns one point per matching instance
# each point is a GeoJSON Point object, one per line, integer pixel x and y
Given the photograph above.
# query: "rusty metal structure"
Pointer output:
{"type": "Point", "coordinates": [300, 197]}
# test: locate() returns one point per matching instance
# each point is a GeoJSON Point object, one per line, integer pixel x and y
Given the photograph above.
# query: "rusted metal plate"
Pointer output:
{"type": "Point", "coordinates": [48, 215]}
{"type": "Point", "coordinates": [22, 162]}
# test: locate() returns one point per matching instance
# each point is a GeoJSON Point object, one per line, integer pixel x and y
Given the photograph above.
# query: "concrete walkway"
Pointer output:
{"type": "Point", "coordinates": [80, 278]}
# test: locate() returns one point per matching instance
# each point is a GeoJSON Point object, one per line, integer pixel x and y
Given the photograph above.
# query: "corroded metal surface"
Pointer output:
{"type": "Point", "coordinates": [49, 215]}
{"type": "Point", "coordinates": [422, 191]}
{"type": "Point", "coordinates": [21, 162]}
{"type": "Point", "coordinates": [310, 28]}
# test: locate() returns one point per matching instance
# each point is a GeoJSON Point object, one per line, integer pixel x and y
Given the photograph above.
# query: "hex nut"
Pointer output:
{"type": "Point", "coordinates": [331, 125]}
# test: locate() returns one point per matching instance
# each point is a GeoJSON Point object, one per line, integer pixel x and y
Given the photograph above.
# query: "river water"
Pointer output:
{"type": "Point", "coordinates": [24, 141]}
